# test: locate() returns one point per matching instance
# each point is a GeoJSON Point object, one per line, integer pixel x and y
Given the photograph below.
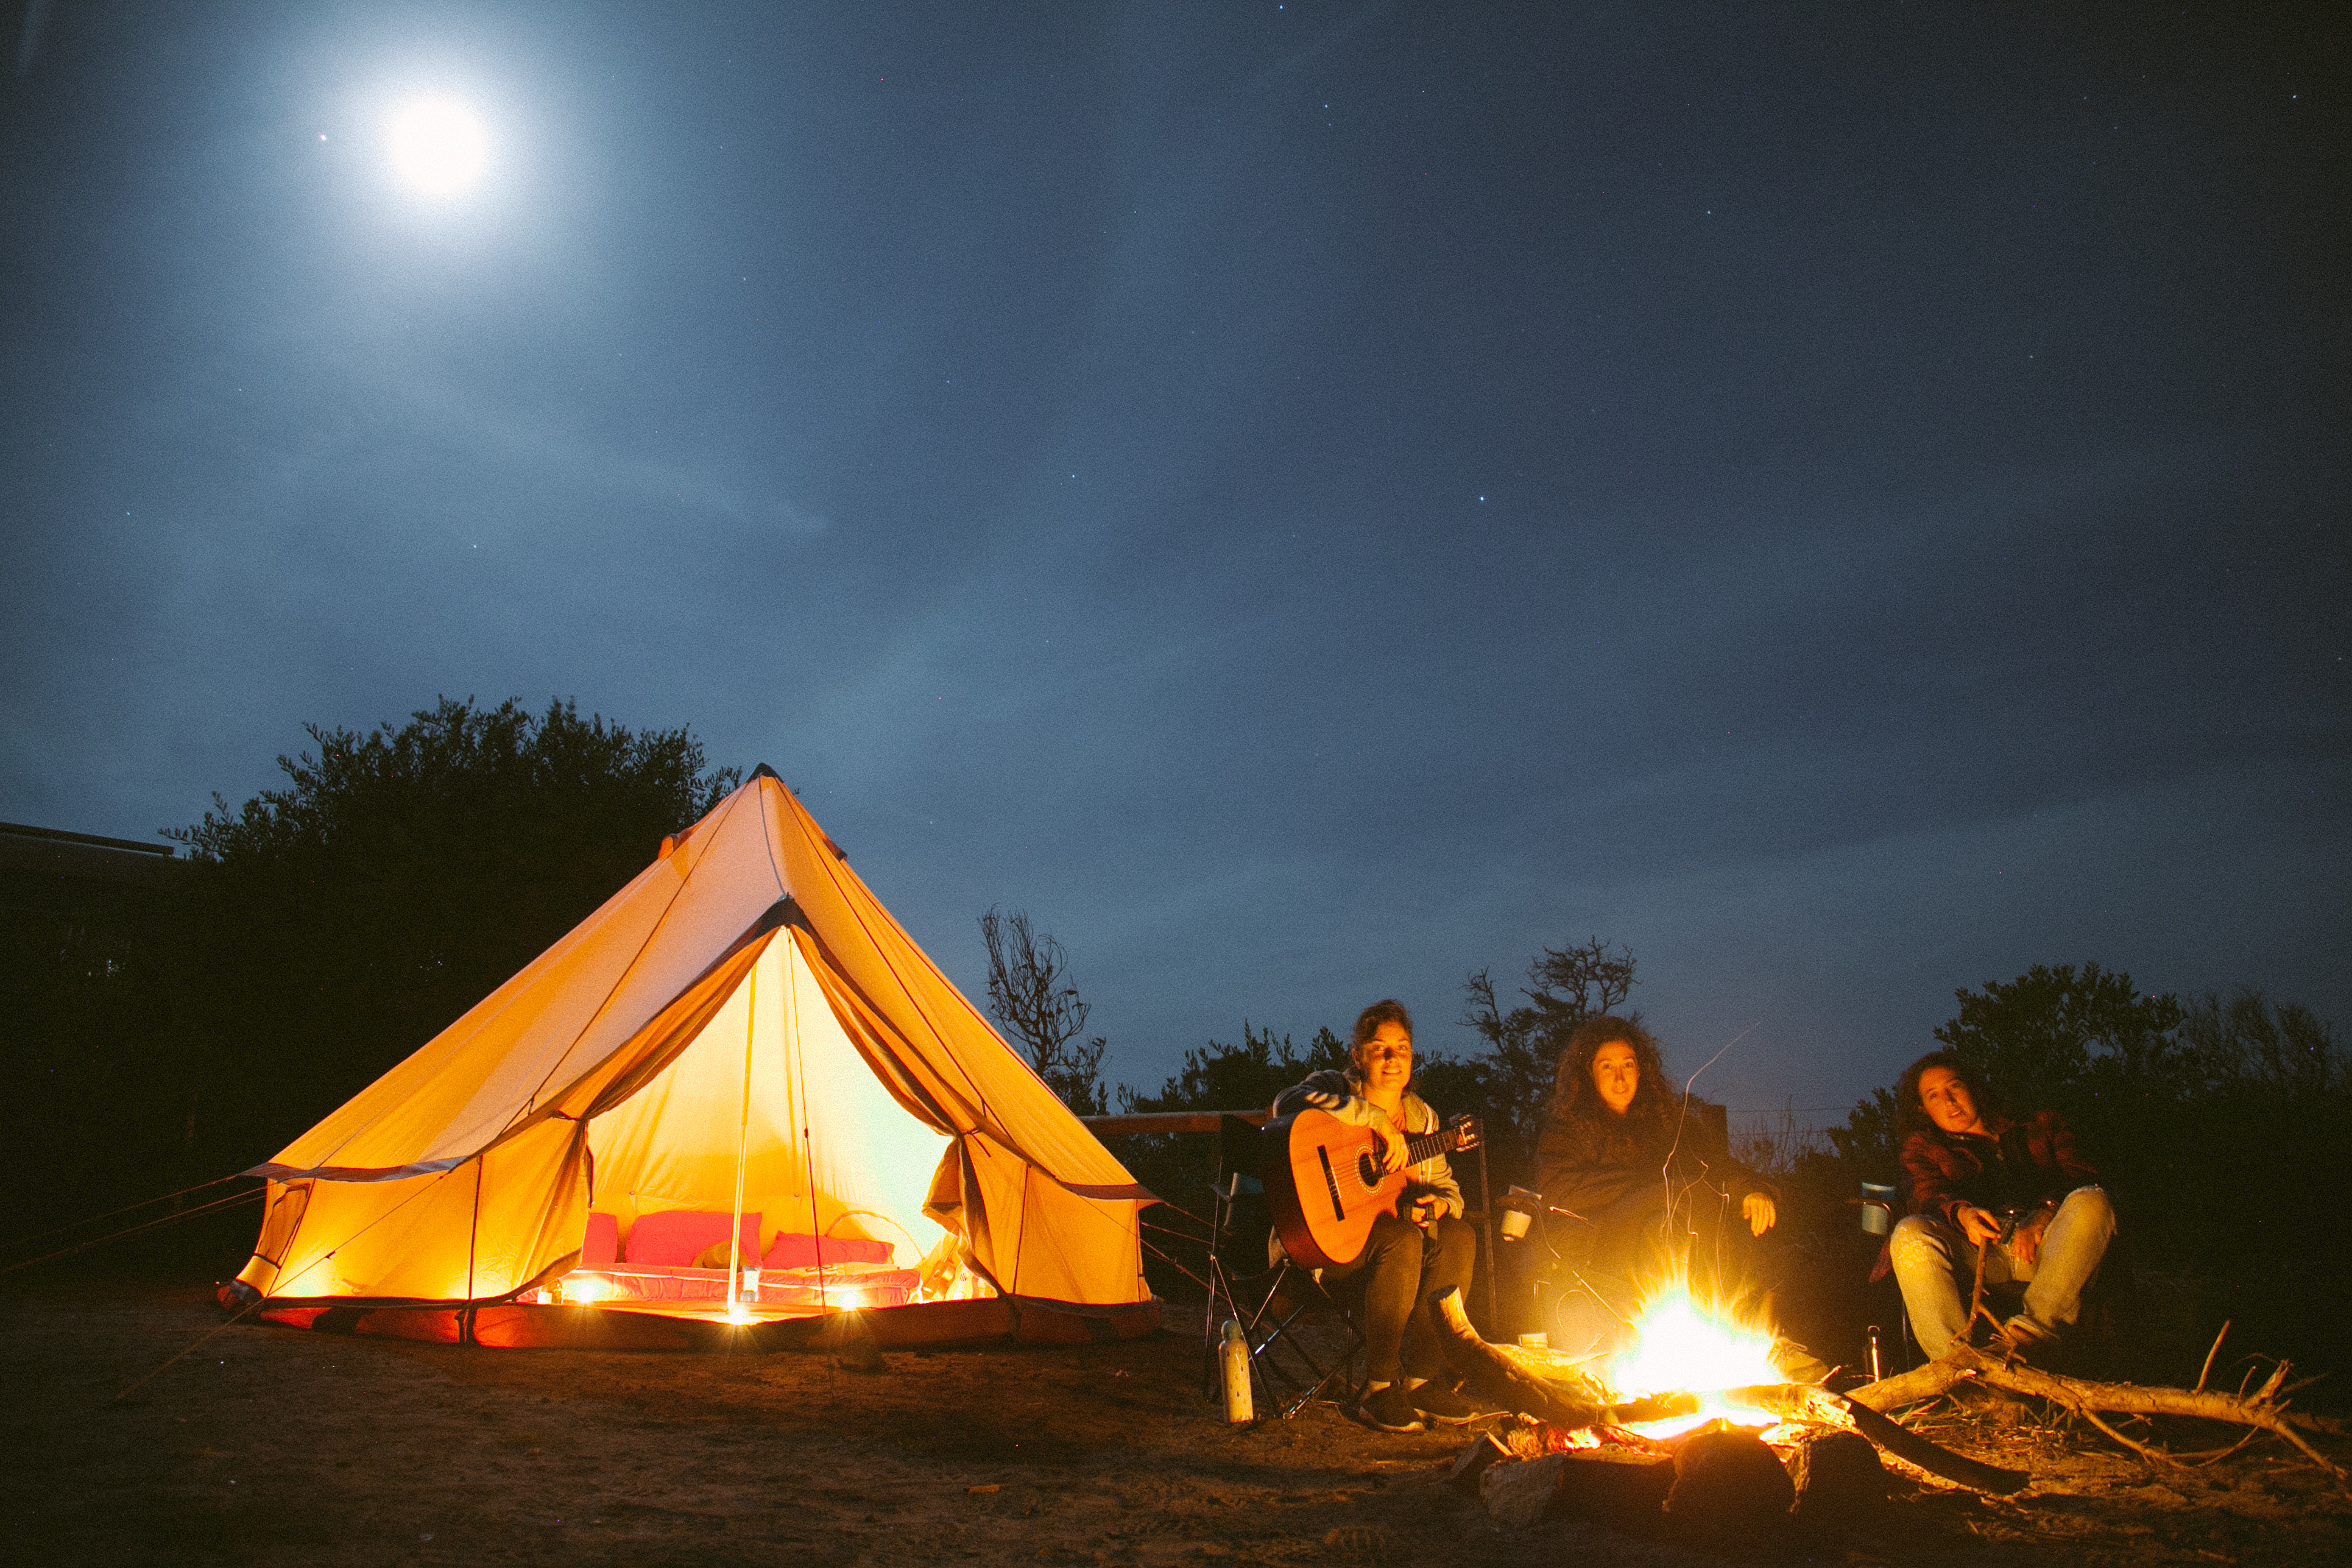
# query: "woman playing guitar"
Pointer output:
{"type": "Point", "coordinates": [1414, 1256]}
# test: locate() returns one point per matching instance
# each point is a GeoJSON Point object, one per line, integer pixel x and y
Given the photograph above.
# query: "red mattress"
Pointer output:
{"type": "Point", "coordinates": [875, 1284]}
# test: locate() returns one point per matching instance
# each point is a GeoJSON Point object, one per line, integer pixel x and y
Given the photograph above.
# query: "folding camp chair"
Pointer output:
{"type": "Point", "coordinates": [1289, 1299]}
{"type": "Point", "coordinates": [1271, 1304]}
{"type": "Point", "coordinates": [1236, 1188]}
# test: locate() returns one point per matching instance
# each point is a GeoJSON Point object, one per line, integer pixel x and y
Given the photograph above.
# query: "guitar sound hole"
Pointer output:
{"type": "Point", "coordinates": [1369, 1169]}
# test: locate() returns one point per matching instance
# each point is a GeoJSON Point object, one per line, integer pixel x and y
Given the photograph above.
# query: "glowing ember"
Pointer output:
{"type": "Point", "coordinates": [1564, 1439]}
{"type": "Point", "coordinates": [1683, 1346]}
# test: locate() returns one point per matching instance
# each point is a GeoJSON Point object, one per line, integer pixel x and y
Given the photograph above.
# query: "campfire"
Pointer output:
{"type": "Point", "coordinates": [1683, 1345]}
{"type": "Point", "coordinates": [1689, 1363]}
{"type": "Point", "coordinates": [1693, 1420]}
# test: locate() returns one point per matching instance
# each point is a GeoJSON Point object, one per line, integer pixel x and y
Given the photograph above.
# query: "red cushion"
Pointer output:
{"type": "Point", "coordinates": [675, 1237]}
{"type": "Point", "coordinates": [601, 1247]}
{"type": "Point", "coordinates": [791, 1251]}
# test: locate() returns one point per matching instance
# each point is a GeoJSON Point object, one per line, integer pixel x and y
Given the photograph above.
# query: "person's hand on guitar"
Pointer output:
{"type": "Point", "coordinates": [1392, 1152]}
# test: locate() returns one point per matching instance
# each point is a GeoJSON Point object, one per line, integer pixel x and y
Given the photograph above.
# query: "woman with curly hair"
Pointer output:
{"type": "Point", "coordinates": [1631, 1180]}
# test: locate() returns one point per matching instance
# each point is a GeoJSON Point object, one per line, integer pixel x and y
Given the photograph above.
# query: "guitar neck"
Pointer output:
{"type": "Point", "coordinates": [1420, 1146]}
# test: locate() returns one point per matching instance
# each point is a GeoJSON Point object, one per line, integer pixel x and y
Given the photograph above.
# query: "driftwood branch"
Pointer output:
{"type": "Point", "coordinates": [2207, 1370]}
{"type": "Point", "coordinates": [1805, 1403]}
{"type": "Point", "coordinates": [1912, 1387]}
{"type": "Point", "coordinates": [2259, 1408]}
{"type": "Point", "coordinates": [1532, 1387]}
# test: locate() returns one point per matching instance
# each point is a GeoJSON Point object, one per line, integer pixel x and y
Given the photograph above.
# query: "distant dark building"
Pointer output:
{"type": "Point", "coordinates": [71, 883]}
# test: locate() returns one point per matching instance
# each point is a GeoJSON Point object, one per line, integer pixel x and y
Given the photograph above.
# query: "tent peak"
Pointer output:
{"type": "Point", "coordinates": [764, 771]}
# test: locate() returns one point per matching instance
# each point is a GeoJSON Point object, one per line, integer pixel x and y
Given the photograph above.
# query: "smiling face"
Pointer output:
{"type": "Point", "coordinates": [1947, 1102]}
{"type": "Point", "coordinates": [1385, 1061]}
{"type": "Point", "coordinates": [1616, 1073]}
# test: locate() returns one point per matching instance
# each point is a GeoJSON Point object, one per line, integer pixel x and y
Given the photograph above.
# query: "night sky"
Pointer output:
{"type": "Point", "coordinates": [1307, 501]}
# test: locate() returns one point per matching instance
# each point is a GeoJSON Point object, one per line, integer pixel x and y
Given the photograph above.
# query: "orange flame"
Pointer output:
{"type": "Point", "coordinates": [1684, 1345]}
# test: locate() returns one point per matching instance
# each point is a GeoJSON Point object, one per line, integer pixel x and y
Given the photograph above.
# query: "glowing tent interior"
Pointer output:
{"type": "Point", "coordinates": [736, 1099]}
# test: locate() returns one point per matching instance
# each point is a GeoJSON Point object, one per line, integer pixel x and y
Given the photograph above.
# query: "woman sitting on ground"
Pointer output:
{"type": "Point", "coordinates": [1977, 1184]}
{"type": "Point", "coordinates": [1638, 1188]}
{"type": "Point", "coordinates": [1414, 1258]}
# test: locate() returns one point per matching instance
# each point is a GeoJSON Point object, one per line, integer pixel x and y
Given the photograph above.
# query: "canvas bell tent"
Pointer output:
{"type": "Point", "coordinates": [736, 1098]}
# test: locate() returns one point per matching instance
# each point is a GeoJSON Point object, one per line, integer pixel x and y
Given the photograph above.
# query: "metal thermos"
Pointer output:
{"type": "Point", "coordinates": [1233, 1354]}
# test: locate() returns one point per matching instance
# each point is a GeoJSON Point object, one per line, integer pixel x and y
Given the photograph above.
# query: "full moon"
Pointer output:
{"type": "Point", "coordinates": [438, 147]}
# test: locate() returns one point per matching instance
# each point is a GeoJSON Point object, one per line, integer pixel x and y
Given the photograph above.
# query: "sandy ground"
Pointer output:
{"type": "Point", "coordinates": [270, 1446]}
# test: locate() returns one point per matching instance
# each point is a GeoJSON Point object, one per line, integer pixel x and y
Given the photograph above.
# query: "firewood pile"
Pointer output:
{"type": "Point", "coordinates": [1793, 1454]}
{"type": "Point", "coordinates": [1717, 1480]}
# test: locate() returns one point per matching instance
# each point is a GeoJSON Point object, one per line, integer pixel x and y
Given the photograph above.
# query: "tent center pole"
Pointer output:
{"type": "Point", "coordinates": [743, 1144]}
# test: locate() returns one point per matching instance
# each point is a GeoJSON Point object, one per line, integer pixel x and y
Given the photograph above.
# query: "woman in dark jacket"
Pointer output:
{"type": "Point", "coordinates": [1632, 1181]}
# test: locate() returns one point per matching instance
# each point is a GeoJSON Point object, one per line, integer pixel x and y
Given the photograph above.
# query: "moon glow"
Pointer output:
{"type": "Point", "coordinates": [437, 147]}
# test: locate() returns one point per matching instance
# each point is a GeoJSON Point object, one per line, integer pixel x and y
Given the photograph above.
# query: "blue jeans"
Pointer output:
{"type": "Point", "coordinates": [1936, 1267]}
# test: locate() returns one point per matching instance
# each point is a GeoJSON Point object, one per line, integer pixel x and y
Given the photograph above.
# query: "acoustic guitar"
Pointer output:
{"type": "Point", "coordinates": [1324, 1182]}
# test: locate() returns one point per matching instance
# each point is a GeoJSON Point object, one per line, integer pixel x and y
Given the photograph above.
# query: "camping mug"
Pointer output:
{"type": "Point", "coordinates": [1515, 1215]}
{"type": "Point", "coordinates": [1878, 1208]}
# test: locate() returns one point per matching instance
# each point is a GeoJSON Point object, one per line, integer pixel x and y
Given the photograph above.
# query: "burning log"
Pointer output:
{"type": "Point", "coordinates": [2262, 1409]}
{"type": "Point", "coordinates": [1531, 1385]}
{"type": "Point", "coordinates": [1803, 1403]}
{"type": "Point", "coordinates": [1728, 1481]}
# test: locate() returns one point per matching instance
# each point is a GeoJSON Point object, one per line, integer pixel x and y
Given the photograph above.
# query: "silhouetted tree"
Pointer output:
{"type": "Point", "coordinates": [322, 931]}
{"type": "Point", "coordinates": [2063, 1036]}
{"type": "Point", "coordinates": [1508, 1085]}
{"type": "Point", "coordinates": [1868, 1141]}
{"type": "Point", "coordinates": [1220, 1075]}
{"type": "Point", "coordinates": [2079, 1041]}
{"type": "Point", "coordinates": [2246, 1045]}
{"type": "Point", "coordinates": [1241, 1077]}
{"type": "Point", "coordinates": [1030, 993]}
